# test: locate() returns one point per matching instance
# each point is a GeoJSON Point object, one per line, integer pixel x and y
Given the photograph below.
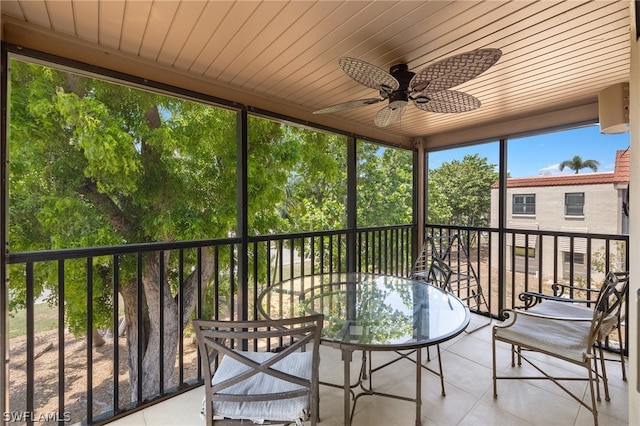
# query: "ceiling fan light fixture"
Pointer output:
{"type": "Point", "coordinates": [398, 99]}
{"type": "Point", "coordinates": [400, 103]}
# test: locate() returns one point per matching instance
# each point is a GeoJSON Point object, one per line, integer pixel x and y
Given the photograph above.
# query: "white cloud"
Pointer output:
{"type": "Point", "coordinates": [607, 168]}
{"type": "Point", "coordinates": [549, 170]}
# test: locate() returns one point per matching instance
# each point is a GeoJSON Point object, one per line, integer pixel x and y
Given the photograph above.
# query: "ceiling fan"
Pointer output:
{"type": "Point", "coordinates": [427, 89]}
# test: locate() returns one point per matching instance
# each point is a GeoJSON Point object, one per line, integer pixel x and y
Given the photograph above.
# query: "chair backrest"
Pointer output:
{"type": "Point", "coordinates": [257, 351]}
{"type": "Point", "coordinates": [610, 303]}
{"type": "Point", "coordinates": [439, 274]}
{"type": "Point", "coordinates": [421, 265]}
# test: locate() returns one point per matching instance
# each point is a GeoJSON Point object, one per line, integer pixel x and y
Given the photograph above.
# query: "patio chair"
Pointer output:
{"type": "Point", "coordinates": [463, 281]}
{"type": "Point", "coordinates": [564, 302]}
{"type": "Point", "coordinates": [260, 370]}
{"type": "Point", "coordinates": [439, 274]}
{"type": "Point", "coordinates": [568, 339]}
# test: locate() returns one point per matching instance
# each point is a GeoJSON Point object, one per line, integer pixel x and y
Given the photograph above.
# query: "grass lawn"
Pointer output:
{"type": "Point", "coordinates": [45, 319]}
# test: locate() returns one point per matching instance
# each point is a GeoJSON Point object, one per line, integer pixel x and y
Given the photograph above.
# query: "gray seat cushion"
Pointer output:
{"type": "Point", "coordinates": [297, 364]}
{"type": "Point", "coordinates": [562, 309]}
{"type": "Point", "coordinates": [568, 339]}
{"type": "Point", "coordinates": [572, 310]}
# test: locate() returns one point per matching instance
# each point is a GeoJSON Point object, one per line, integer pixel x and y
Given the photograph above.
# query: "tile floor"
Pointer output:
{"type": "Point", "coordinates": [469, 398]}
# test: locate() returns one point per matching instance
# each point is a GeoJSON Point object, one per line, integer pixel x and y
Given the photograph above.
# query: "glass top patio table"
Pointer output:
{"type": "Point", "coordinates": [370, 312]}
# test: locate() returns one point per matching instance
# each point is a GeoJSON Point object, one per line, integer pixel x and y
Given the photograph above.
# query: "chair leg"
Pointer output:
{"type": "Point", "coordinates": [513, 354]}
{"type": "Point", "coordinates": [315, 415]}
{"type": "Point", "coordinates": [440, 367]}
{"type": "Point", "coordinates": [209, 413]}
{"type": "Point", "coordinates": [597, 373]}
{"type": "Point", "coordinates": [594, 408]}
{"type": "Point", "coordinates": [493, 353]}
{"type": "Point", "coordinates": [605, 381]}
{"type": "Point", "coordinates": [624, 372]}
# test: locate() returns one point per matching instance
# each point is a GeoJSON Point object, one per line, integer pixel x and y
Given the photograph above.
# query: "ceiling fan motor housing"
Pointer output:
{"type": "Point", "coordinates": [400, 97]}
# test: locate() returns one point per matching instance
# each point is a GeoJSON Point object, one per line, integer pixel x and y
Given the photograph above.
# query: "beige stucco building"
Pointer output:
{"type": "Point", "coordinates": [594, 203]}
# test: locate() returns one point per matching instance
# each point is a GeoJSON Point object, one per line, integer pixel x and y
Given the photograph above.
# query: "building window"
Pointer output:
{"type": "Point", "coordinates": [524, 204]}
{"type": "Point", "coordinates": [574, 204]}
{"type": "Point", "coordinates": [578, 258]}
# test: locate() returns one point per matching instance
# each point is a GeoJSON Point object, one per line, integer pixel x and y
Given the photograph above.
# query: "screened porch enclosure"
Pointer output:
{"type": "Point", "coordinates": [248, 182]}
{"type": "Point", "coordinates": [161, 162]}
{"type": "Point", "coordinates": [74, 295]}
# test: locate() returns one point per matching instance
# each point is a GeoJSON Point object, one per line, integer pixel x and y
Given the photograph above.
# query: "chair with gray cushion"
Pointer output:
{"type": "Point", "coordinates": [260, 370]}
{"type": "Point", "coordinates": [564, 302]}
{"type": "Point", "coordinates": [570, 339]}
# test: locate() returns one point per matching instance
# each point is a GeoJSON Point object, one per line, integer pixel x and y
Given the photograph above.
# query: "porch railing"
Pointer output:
{"type": "Point", "coordinates": [61, 376]}
{"type": "Point", "coordinates": [533, 260]}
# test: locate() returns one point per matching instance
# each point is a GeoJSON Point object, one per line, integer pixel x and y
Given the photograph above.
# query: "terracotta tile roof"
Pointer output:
{"type": "Point", "coordinates": [621, 172]}
{"type": "Point", "coordinates": [619, 175]}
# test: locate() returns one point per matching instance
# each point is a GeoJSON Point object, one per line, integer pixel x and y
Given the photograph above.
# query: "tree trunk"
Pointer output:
{"type": "Point", "coordinates": [129, 297]}
{"type": "Point", "coordinates": [151, 327]}
{"type": "Point", "coordinates": [98, 340]}
{"type": "Point", "coordinates": [151, 362]}
{"type": "Point", "coordinates": [142, 317]}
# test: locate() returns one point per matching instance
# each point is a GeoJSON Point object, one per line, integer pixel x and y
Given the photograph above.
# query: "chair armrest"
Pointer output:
{"type": "Point", "coordinates": [507, 313]}
{"type": "Point", "coordinates": [511, 317]}
{"type": "Point", "coordinates": [560, 289]}
{"type": "Point", "coordinates": [531, 298]}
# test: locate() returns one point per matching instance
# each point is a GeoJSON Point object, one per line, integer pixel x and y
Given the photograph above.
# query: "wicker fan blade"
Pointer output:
{"type": "Point", "coordinates": [386, 116]}
{"type": "Point", "coordinates": [454, 70]}
{"type": "Point", "coordinates": [347, 105]}
{"type": "Point", "coordinates": [449, 101]}
{"type": "Point", "coordinates": [369, 75]}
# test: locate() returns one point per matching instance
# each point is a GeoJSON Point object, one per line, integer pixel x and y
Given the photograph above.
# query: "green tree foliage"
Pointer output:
{"type": "Point", "coordinates": [440, 209]}
{"type": "Point", "coordinates": [385, 186]}
{"type": "Point", "coordinates": [95, 164]}
{"type": "Point", "coordinates": [316, 186]}
{"type": "Point", "coordinates": [577, 164]}
{"type": "Point", "coordinates": [99, 164]}
{"type": "Point", "coordinates": [272, 154]}
{"type": "Point", "coordinates": [460, 192]}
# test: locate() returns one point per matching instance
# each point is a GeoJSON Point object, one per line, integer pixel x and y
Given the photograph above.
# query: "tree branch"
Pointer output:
{"type": "Point", "coordinates": [106, 205]}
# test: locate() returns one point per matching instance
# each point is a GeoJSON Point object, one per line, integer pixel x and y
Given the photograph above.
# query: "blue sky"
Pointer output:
{"type": "Point", "coordinates": [535, 155]}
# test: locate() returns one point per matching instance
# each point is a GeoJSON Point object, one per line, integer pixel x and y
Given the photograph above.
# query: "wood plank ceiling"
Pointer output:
{"type": "Point", "coordinates": [283, 55]}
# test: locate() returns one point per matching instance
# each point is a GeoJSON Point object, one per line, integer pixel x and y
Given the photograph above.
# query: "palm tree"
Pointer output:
{"type": "Point", "coordinates": [576, 164]}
